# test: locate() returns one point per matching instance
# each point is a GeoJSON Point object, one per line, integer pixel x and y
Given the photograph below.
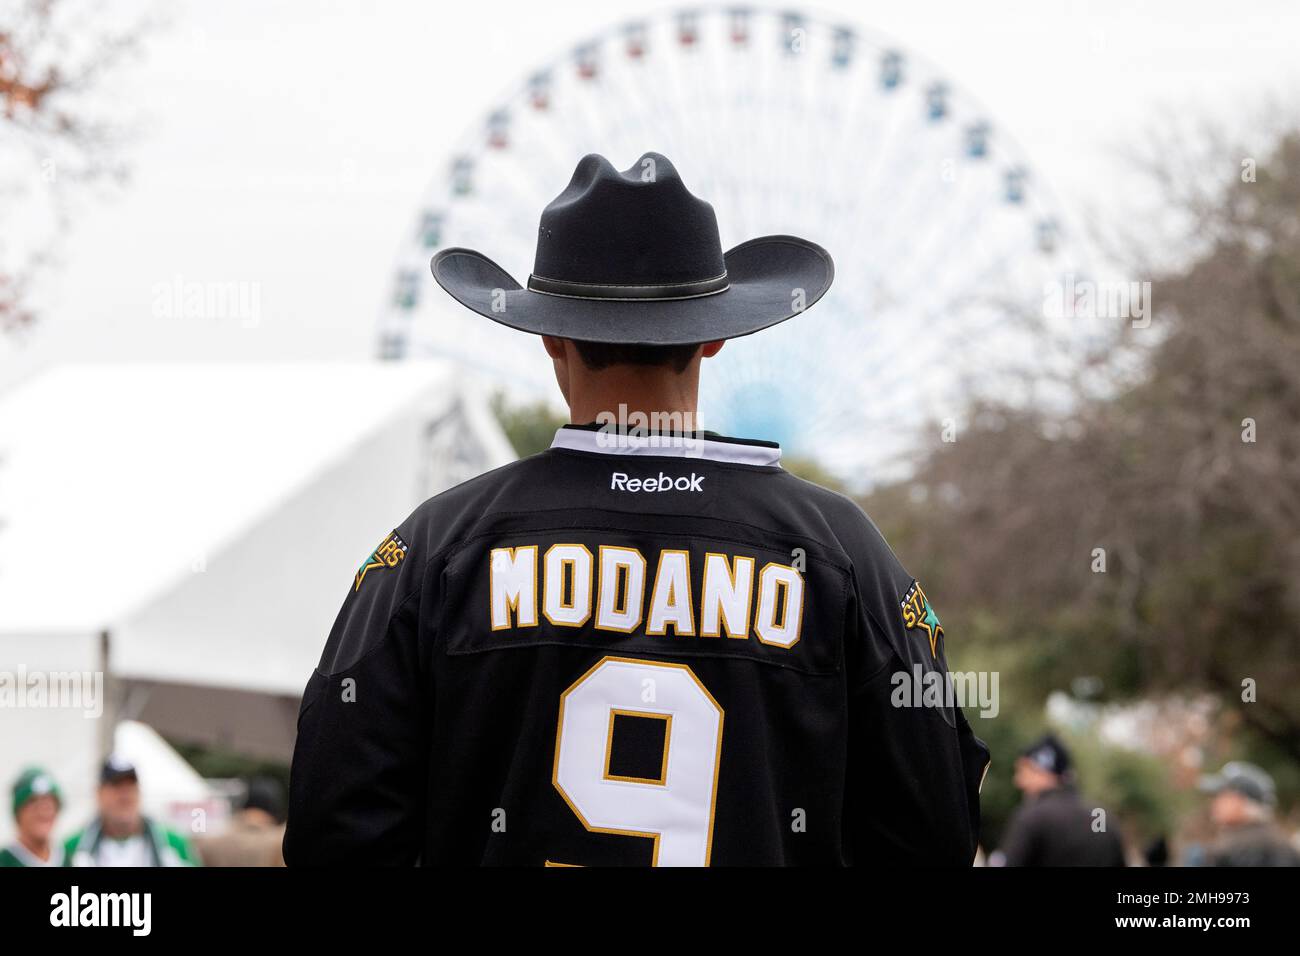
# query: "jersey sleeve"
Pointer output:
{"type": "Point", "coordinates": [358, 778]}
{"type": "Point", "coordinates": [914, 766]}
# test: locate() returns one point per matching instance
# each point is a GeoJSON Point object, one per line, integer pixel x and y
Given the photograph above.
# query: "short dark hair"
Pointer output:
{"type": "Point", "coordinates": [601, 355]}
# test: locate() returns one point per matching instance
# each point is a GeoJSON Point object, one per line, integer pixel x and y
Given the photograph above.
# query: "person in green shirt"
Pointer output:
{"type": "Point", "coordinates": [121, 835]}
{"type": "Point", "coordinates": [36, 805]}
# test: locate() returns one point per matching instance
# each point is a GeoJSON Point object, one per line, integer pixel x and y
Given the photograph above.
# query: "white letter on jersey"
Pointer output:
{"type": "Point", "coordinates": [621, 594]}
{"type": "Point", "coordinates": [513, 586]}
{"type": "Point", "coordinates": [670, 604]}
{"type": "Point", "coordinates": [726, 590]}
{"type": "Point", "coordinates": [571, 562]}
{"type": "Point", "coordinates": [774, 580]}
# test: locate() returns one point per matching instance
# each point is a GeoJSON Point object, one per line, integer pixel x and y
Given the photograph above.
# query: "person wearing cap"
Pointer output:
{"type": "Point", "coordinates": [1242, 808]}
{"type": "Point", "coordinates": [1053, 827]}
{"type": "Point", "coordinates": [120, 835]}
{"type": "Point", "coordinates": [36, 805]}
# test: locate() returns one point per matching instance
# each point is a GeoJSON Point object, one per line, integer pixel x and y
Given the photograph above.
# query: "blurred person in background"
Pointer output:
{"type": "Point", "coordinates": [256, 831]}
{"type": "Point", "coordinates": [1242, 810]}
{"type": "Point", "coordinates": [121, 835]}
{"type": "Point", "coordinates": [36, 806]}
{"type": "Point", "coordinates": [1053, 827]}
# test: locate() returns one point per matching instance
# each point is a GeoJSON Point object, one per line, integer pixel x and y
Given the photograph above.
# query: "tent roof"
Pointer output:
{"type": "Point", "coordinates": [116, 480]}
{"type": "Point", "coordinates": [160, 768]}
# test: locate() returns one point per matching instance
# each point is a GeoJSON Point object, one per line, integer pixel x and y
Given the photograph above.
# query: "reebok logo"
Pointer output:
{"type": "Point", "coordinates": [619, 481]}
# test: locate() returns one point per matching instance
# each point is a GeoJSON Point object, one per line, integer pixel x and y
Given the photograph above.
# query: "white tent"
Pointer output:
{"type": "Point", "coordinates": [175, 540]}
{"type": "Point", "coordinates": [171, 789]}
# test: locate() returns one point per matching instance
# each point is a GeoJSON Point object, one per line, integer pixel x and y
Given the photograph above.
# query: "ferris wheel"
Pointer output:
{"type": "Point", "coordinates": [943, 239]}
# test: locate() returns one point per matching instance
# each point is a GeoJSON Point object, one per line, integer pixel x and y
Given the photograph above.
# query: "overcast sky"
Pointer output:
{"type": "Point", "coordinates": [286, 144]}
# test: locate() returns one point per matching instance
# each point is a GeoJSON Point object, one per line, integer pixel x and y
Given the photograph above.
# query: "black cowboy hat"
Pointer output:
{"type": "Point", "coordinates": [632, 257]}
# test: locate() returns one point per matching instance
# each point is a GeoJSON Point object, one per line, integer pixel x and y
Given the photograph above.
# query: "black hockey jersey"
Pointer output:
{"type": "Point", "coordinates": [665, 651]}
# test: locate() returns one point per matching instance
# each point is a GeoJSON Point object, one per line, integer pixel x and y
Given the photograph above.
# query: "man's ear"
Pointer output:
{"type": "Point", "coordinates": [710, 349]}
{"type": "Point", "coordinates": [554, 347]}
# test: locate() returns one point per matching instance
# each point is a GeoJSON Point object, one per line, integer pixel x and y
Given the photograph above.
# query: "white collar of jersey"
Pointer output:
{"type": "Point", "coordinates": [699, 445]}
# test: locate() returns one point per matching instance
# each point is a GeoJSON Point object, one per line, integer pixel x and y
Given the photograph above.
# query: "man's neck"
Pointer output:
{"type": "Point", "coordinates": [123, 831]}
{"type": "Point", "coordinates": [650, 394]}
{"type": "Point", "coordinates": [37, 848]}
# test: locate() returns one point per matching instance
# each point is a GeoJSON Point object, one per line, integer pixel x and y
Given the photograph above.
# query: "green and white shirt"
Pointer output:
{"type": "Point", "coordinates": [155, 845]}
{"type": "Point", "coordinates": [15, 854]}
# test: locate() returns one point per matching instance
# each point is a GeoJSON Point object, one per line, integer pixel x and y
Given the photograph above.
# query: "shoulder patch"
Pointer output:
{"type": "Point", "coordinates": [390, 553]}
{"type": "Point", "coordinates": [919, 615]}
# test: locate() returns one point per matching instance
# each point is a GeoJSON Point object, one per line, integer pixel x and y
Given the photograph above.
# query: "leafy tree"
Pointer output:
{"type": "Point", "coordinates": [529, 427]}
{"type": "Point", "coordinates": [1149, 536]}
{"type": "Point", "coordinates": [55, 58]}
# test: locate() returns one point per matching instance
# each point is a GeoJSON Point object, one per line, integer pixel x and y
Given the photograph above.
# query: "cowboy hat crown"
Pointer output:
{"type": "Point", "coordinates": [635, 234]}
{"type": "Point", "coordinates": [633, 257]}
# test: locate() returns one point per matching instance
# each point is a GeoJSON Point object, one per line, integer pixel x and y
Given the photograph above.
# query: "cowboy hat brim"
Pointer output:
{"type": "Point", "coordinates": [772, 278]}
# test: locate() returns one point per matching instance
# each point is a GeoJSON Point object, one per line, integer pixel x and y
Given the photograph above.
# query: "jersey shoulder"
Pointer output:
{"type": "Point", "coordinates": [383, 591]}
{"type": "Point", "coordinates": [844, 524]}
{"type": "Point", "coordinates": [900, 623]}
{"type": "Point", "coordinates": [450, 516]}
